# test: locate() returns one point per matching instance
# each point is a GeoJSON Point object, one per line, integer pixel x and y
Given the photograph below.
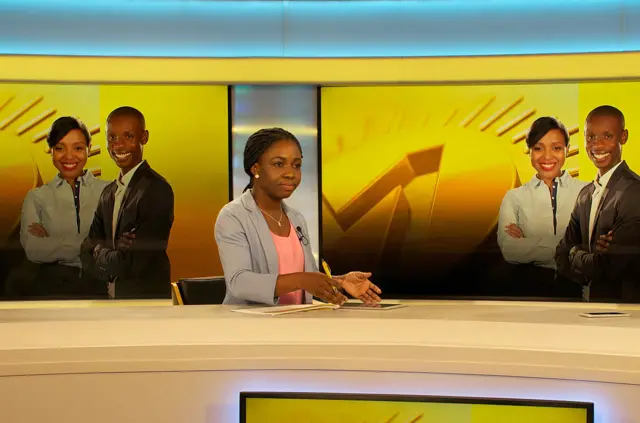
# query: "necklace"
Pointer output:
{"type": "Point", "coordinates": [278, 221]}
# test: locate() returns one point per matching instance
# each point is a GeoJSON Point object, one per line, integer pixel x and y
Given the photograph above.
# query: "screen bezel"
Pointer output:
{"type": "Point", "coordinates": [588, 406]}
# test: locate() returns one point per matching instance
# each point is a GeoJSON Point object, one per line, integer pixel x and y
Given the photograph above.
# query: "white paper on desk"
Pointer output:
{"type": "Point", "coordinates": [287, 309]}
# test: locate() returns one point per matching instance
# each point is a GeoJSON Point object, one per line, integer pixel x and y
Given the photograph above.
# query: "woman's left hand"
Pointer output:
{"type": "Point", "coordinates": [358, 285]}
{"type": "Point", "coordinates": [38, 230]}
{"type": "Point", "coordinates": [514, 231]}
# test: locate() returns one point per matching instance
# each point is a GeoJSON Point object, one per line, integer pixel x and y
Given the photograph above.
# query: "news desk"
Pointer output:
{"type": "Point", "coordinates": [153, 362]}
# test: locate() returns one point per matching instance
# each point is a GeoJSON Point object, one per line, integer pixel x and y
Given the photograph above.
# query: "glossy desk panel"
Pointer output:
{"type": "Point", "coordinates": [138, 354]}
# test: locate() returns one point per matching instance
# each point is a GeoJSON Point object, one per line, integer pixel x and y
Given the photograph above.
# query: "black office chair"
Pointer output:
{"type": "Point", "coordinates": [194, 291]}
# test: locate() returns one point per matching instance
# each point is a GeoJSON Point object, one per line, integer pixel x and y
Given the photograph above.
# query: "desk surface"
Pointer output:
{"type": "Point", "coordinates": [517, 339]}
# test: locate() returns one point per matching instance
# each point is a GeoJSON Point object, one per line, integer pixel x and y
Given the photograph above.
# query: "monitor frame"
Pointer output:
{"type": "Point", "coordinates": [588, 406]}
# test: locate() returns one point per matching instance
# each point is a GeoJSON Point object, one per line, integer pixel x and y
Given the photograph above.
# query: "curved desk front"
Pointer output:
{"type": "Point", "coordinates": [188, 364]}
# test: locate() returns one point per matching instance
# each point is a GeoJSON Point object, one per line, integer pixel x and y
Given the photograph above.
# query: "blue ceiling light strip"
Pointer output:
{"type": "Point", "coordinates": [174, 28]}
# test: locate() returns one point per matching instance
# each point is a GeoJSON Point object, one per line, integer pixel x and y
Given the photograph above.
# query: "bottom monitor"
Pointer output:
{"type": "Point", "coordinates": [267, 407]}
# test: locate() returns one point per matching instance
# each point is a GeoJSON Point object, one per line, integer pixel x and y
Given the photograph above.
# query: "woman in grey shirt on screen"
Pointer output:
{"type": "Point", "coordinates": [56, 218]}
{"type": "Point", "coordinates": [534, 216]}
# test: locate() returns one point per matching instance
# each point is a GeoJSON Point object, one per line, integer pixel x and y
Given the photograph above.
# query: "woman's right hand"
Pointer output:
{"type": "Point", "coordinates": [322, 286]}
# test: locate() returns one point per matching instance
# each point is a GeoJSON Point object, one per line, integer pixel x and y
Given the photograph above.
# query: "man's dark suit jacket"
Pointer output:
{"type": "Point", "coordinates": [613, 275]}
{"type": "Point", "coordinates": [143, 270]}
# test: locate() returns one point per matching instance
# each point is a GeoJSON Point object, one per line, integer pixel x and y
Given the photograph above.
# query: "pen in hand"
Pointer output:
{"type": "Point", "coordinates": [327, 270]}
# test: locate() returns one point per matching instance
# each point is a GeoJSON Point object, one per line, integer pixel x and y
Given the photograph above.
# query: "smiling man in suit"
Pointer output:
{"type": "Point", "coordinates": [127, 243]}
{"type": "Point", "coordinates": [601, 247]}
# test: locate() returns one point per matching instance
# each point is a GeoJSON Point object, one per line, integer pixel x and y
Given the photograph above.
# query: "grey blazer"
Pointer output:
{"type": "Point", "coordinates": [248, 253]}
{"type": "Point", "coordinates": [614, 275]}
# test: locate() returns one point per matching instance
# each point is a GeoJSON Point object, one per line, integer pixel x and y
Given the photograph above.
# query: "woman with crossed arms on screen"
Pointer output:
{"type": "Point", "coordinates": [56, 218]}
{"type": "Point", "coordinates": [263, 243]}
{"type": "Point", "coordinates": [533, 217]}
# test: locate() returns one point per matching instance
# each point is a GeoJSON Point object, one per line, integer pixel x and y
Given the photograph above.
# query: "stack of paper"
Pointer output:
{"type": "Point", "coordinates": [287, 309]}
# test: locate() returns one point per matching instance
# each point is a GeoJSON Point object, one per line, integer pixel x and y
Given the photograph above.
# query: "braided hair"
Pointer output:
{"type": "Point", "coordinates": [258, 143]}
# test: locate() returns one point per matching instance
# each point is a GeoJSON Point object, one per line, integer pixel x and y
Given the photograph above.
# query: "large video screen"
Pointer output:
{"type": "Point", "coordinates": [349, 408]}
{"type": "Point", "coordinates": [188, 146]}
{"type": "Point", "coordinates": [413, 176]}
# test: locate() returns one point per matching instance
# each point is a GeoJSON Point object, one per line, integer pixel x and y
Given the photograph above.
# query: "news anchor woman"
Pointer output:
{"type": "Point", "coordinates": [56, 218]}
{"type": "Point", "coordinates": [263, 244]}
{"type": "Point", "coordinates": [533, 217]}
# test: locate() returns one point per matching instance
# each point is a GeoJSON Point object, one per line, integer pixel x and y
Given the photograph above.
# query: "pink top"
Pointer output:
{"type": "Point", "coordinates": [290, 260]}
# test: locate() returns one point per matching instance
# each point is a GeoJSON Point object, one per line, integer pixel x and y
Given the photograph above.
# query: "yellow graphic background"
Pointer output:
{"type": "Point", "coordinates": [188, 145]}
{"type": "Point", "coordinates": [413, 170]}
{"type": "Point", "coordinates": [276, 410]}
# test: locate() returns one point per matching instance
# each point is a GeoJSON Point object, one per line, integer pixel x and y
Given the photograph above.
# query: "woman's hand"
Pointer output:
{"type": "Point", "coordinates": [38, 230]}
{"type": "Point", "coordinates": [322, 286]}
{"type": "Point", "coordinates": [358, 285]}
{"type": "Point", "coordinates": [514, 231]}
